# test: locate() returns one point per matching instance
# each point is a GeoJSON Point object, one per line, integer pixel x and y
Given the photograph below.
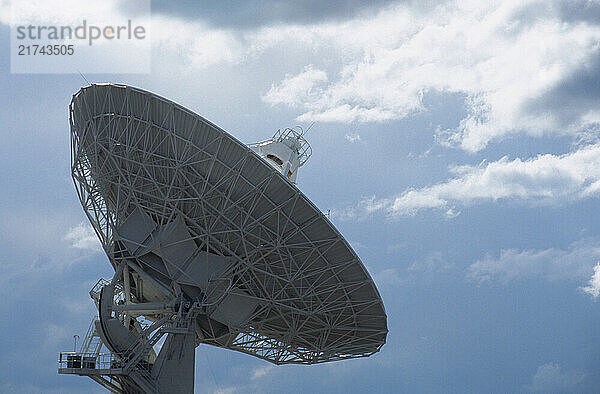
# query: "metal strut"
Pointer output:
{"type": "Point", "coordinates": [132, 366]}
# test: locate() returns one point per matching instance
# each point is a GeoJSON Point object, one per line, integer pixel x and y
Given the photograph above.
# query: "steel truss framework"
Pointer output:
{"type": "Point", "coordinates": [315, 301]}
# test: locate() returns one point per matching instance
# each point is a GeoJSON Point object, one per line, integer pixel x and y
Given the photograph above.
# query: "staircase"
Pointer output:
{"type": "Point", "coordinates": [91, 343]}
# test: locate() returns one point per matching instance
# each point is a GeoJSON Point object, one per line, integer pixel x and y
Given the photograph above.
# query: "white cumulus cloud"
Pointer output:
{"type": "Point", "coordinates": [550, 264]}
{"type": "Point", "coordinates": [593, 288]}
{"type": "Point", "coordinates": [502, 56]}
{"type": "Point", "coordinates": [83, 237]}
{"type": "Point", "coordinates": [297, 89]}
{"type": "Point", "coordinates": [261, 372]}
{"type": "Point", "coordinates": [353, 137]}
{"type": "Point", "coordinates": [509, 60]}
{"type": "Point", "coordinates": [546, 178]}
{"type": "Point", "coordinates": [550, 378]}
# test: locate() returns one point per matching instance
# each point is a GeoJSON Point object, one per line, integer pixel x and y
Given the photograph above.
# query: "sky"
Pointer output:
{"type": "Point", "coordinates": [456, 145]}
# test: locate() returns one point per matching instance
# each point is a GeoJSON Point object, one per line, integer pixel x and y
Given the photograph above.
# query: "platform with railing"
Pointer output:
{"type": "Point", "coordinates": [88, 364]}
{"type": "Point", "coordinates": [297, 133]}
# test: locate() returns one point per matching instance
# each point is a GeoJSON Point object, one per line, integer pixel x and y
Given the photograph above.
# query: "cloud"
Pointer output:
{"type": "Point", "coordinates": [550, 264]}
{"type": "Point", "coordinates": [550, 378]}
{"type": "Point", "coordinates": [226, 390]}
{"type": "Point", "coordinates": [254, 13]}
{"type": "Point", "coordinates": [543, 179]}
{"type": "Point", "coordinates": [52, 244]}
{"type": "Point", "coordinates": [429, 267]}
{"type": "Point", "coordinates": [451, 213]}
{"type": "Point", "coordinates": [294, 90]}
{"type": "Point", "coordinates": [69, 11]}
{"type": "Point", "coordinates": [521, 66]}
{"type": "Point", "coordinates": [353, 137]}
{"type": "Point", "coordinates": [511, 60]}
{"type": "Point", "coordinates": [593, 288]}
{"type": "Point", "coordinates": [261, 371]}
{"type": "Point", "coordinates": [580, 11]}
{"type": "Point", "coordinates": [106, 56]}
{"type": "Point", "coordinates": [195, 45]}
{"type": "Point", "coordinates": [83, 237]}
{"type": "Point", "coordinates": [388, 277]}
{"type": "Point", "coordinates": [433, 263]}
{"type": "Point", "coordinates": [36, 251]}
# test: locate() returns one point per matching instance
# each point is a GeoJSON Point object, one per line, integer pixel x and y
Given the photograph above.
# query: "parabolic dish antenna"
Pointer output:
{"type": "Point", "coordinates": [211, 242]}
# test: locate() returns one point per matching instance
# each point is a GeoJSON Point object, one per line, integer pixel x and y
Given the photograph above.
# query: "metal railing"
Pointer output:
{"type": "Point", "coordinates": [90, 364]}
{"type": "Point", "coordinates": [297, 133]}
{"type": "Point", "coordinates": [95, 291]}
{"type": "Point", "coordinates": [87, 361]}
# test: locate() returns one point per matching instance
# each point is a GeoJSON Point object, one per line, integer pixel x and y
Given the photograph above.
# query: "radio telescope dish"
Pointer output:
{"type": "Point", "coordinates": [211, 242]}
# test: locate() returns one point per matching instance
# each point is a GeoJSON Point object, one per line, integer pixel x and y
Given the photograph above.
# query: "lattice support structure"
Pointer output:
{"type": "Point", "coordinates": [197, 216]}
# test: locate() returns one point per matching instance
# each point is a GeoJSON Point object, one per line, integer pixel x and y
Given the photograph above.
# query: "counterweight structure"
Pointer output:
{"type": "Point", "coordinates": [211, 242]}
